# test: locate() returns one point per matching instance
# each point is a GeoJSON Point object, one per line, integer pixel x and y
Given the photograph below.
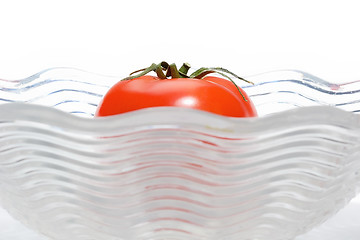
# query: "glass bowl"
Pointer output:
{"type": "Point", "coordinates": [173, 173]}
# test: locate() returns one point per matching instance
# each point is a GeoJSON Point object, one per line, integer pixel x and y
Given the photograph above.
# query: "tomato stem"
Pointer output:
{"type": "Point", "coordinates": [174, 71]}
{"type": "Point", "coordinates": [145, 71]}
{"type": "Point", "coordinates": [159, 71]}
{"type": "Point", "coordinates": [184, 69]}
{"type": "Point", "coordinates": [231, 73]}
{"type": "Point", "coordinates": [164, 70]}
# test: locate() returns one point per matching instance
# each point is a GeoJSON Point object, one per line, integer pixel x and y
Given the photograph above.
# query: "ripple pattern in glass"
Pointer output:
{"type": "Point", "coordinates": [170, 173]}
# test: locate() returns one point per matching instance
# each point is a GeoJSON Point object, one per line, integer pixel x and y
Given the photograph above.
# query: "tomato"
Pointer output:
{"type": "Point", "coordinates": [212, 94]}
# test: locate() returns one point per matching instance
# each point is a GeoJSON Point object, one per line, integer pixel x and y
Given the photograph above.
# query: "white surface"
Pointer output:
{"type": "Point", "coordinates": [14, 230]}
{"type": "Point", "coordinates": [345, 225]}
{"type": "Point", "coordinates": [116, 37]}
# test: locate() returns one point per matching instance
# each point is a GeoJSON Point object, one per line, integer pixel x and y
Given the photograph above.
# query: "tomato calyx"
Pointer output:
{"type": "Point", "coordinates": [165, 70]}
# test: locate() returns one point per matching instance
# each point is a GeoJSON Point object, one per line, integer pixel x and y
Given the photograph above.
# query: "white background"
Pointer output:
{"type": "Point", "coordinates": [116, 37]}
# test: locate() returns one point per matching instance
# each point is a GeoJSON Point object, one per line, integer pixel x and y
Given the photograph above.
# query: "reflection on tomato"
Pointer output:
{"type": "Point", "coordinates": [212, 94]}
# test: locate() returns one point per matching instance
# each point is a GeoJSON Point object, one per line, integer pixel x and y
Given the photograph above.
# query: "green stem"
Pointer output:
{"type": "Point", "coordinates": [153, 67]}
{"type": "Point", "coordinates": [160, 73]}
{"type": "Point", "coordinates": [184, 70]}
{"type": "Point", "coordinates": [231, 73]}
{"type": "Point", "coordinates": [174, 71]}
{"type": "Point", "coordinates": [203, 72]}
{"type": "Point", "coordinates": [164, 70]}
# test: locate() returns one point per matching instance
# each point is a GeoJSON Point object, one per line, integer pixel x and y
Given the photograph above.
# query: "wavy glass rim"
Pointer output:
{"type": "Point", "coordinates": [298, 159]}
{"type": "Point", "coordinates": [79, 92]}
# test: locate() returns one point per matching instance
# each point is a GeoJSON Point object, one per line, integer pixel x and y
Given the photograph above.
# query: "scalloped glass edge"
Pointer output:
{"type": "Point", "coordinates": [79, 92]}
{"type": "Point", "coordinates": [282, 165]}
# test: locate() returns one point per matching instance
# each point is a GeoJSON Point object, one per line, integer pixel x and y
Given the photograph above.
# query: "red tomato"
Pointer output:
{"type": "Point", "coordinates": [212, 94]}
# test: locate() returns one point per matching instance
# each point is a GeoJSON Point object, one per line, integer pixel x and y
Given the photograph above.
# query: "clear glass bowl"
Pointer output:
{"type": "Point", "coordinates": [170, 173]}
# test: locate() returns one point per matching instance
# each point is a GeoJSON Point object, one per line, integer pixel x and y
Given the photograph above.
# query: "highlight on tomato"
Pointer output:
{"type": "Point", "coordinates": [172, 87]}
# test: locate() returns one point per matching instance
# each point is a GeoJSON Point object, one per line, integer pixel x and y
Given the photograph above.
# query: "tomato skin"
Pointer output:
{"type": "Point", "coordinates": [212, 94]}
